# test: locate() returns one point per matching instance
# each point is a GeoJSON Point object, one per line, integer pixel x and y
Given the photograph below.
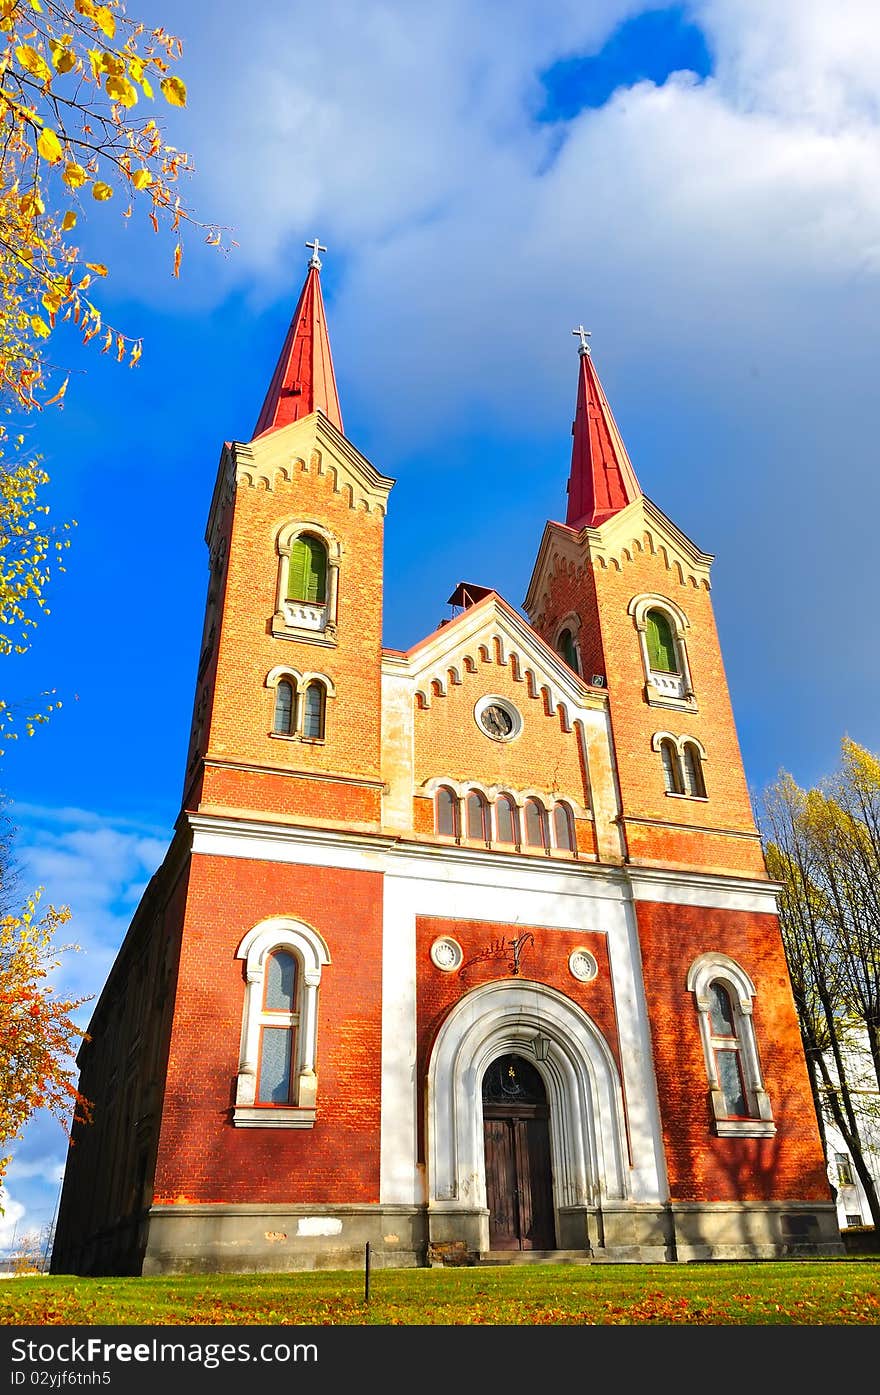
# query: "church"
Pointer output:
{"type": "Point", "coordinates": [467, 952]}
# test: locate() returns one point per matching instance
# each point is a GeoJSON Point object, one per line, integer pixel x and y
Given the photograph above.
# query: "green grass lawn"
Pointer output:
{"type": "Point", "coordinates": [786, 1293]}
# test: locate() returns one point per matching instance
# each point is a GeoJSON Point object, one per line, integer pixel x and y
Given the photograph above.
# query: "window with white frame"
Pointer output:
{"type": "Point", "coordinates": [299, 705]}
{"type": "Point", "coordinates": [285, 707]}
{"type": "Point", "coordinates": [306, 605]}
{"type": "Point", "coordinates": [661, 626]}
{"type": "Point", "coordinates": [277, 1082]}
{"type": "Point", "coordinates": [681, 760]}
{"type": "Point", "coordinates": [845, 1176]}
{"type": "Point", "coordinates": [724, 996]}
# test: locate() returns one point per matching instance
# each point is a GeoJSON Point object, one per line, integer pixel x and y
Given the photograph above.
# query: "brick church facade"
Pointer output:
{"type": "Point", "coordinates": [465, 950]}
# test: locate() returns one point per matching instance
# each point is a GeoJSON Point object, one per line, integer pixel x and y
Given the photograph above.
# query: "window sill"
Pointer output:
{"type": "Point", "coordinates": [745, 1128]}
{"type": "Point", "coordinates": [272, 1117]}
{"type": "Point", "coordinates": [655, 698]}
{"type": "Point", "coordinates": [695, 798]}
{"type": "Point", "coordinates": [325, 636]}
{"type": "Point", "coordinates": [295, 736]}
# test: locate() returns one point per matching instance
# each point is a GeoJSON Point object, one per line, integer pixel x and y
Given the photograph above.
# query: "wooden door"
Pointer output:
{"type": "Point", "coordinates": [519, 1184]}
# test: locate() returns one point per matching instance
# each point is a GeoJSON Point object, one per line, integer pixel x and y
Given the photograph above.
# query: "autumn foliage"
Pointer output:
{"type": "Point", "coordinates": [30, 548]}
{"type": "Point", "coordinates": [78, 81]}
{"type": "Point", "coordinates": [38, 1035]}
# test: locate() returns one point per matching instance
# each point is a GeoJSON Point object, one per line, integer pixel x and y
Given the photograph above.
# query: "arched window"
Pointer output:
{"type": "Point", "coordinates": [726, 1050]}
{"type": "Point", "coordinates": [448, 821]}
{"type": "Point", "coordinates": [478, 824]}
{"type": "Point", "coordinates": [724, 996]}
{"type": "Point", "coordinates": [277, 1082]}
{"type": "Point", "coordinates": [278, 1023]}
{"type": "Point", "coordinates": [567, 649]}
{"type": "Point", "coordinates": [692, 770]}
{"type": "Point", "coordinates": [661, 626]}
{"type": "Point", "coordinates": [671, 767]}
{"type": "Point", "coordinates": [536, 824]}
{"type": "Point", "coordinates": [507, 819]}
{"type": "Point", "coordinates": [563, 827]}
{"type": "Point", "coordinates": [285, 700]}
{"type": "Point", "coordinates": [314, 709]}
{"type": "Point", "coordinates": [307, 571]}
{"type": "Point", "coordinates": [662, 651]}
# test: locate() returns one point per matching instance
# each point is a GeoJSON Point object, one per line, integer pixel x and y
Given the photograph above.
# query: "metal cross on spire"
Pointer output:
{"type": "Point", "coordinates": [316, 248]}
{"type": "Point", "coordinates": [584, 336]}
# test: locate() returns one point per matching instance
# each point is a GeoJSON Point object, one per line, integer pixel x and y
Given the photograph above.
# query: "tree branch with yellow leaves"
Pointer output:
{"type": "Point", "coordinates": [74, 77]}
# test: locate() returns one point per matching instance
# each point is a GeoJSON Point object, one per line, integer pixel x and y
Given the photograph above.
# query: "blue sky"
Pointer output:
{"type": "Point", "coordinates": [698, 184]}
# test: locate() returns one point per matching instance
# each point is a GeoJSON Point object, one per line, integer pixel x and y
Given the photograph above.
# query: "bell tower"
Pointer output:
{"type": "Point", "coordinates": [287, 715]}
{"type": "Point", "coordinates": [624, 597]}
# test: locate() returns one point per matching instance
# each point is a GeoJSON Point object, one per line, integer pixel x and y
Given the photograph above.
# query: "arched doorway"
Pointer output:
{"type": "Point", "coordinates": [516, 1132]}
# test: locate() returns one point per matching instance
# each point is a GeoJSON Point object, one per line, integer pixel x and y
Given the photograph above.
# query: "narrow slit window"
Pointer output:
{"type": "Point", "coordinates": [447, 813]}
{"type": "Point", "coordinates": [692, 765]}
{"type": "Point", "coordinates": [507, 817]}
{"type": "Point", "coordinates": [314, 708]}
{"type": "Point", "coordinates": [536, 824]}
{"type": "Point", "coordinates": [285, 696]}
{"type": "Point", "coordinates": [671, 768]}
{"type": "Point", "coordinates": [563, 827]}
{"type": "Point", "coordinates": [478, 817]}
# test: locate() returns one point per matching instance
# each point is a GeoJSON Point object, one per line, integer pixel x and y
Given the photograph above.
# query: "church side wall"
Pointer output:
{"type": "Point", "coordinates": [111, 1161]}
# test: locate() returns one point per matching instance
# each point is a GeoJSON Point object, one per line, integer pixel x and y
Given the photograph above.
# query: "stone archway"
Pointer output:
{"type": "Point", "coordinates": [586, 1115]}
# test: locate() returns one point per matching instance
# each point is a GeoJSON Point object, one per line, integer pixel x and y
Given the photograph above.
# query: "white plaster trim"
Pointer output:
{"type": "Point", "coordinates": [470, 866]}
{"type": "Point", "coordinates": [399, 1178]}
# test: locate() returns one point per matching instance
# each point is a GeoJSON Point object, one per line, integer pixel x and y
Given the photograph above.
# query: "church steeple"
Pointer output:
{"type": "Point", "coordinates": [602, 480]}
{"type": "Point", "coordinates": [303, 379]}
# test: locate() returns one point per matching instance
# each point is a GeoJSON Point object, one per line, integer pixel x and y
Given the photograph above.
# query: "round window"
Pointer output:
{"type": "Point", "coordinates": [497, 718]}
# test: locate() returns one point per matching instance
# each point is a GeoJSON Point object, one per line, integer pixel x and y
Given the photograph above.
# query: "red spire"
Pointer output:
{"type": "Point", "coordinates": [303, 379]}
{"type": "Point", "coordinates": [602, 480]}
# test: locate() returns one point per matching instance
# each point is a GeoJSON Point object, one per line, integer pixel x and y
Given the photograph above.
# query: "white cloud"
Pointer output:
{"type": "Point", "coordinates": [97, 867]}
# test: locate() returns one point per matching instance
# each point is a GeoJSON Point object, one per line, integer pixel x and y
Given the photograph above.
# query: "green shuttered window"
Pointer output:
{"type": "Point", "coordinates": [307, 575]}
{"type": "Point", "coordinates": [661, 643]}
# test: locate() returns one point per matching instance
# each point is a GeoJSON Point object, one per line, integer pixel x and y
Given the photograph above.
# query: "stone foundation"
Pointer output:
{"type": "Point", "coordinates": [192, 1239]}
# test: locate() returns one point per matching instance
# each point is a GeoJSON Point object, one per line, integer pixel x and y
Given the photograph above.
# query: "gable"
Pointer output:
{"type": "Point", "coordinates": [635, 531]}
{"type": "Point", "coordinates": [312, 446]}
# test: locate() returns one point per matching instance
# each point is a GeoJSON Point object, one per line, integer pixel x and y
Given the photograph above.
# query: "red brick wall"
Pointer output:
{"type": "Point", "coordinates": [701, 1166]}
{"type": "Point", "coordinates": [202, 1156]}
{"type": "Point", "coordinates": [325, 801]}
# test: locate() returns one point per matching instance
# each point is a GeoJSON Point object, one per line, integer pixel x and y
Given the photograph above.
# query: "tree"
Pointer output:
{"type": "Point", "coordinates": [73, 77]}
{"type": "Point", "coordinates": [38, 1036]}
{"type": "Point", "coordinates": [29, 549]}
{"type": "Point", "coordinates": [819, 845]}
